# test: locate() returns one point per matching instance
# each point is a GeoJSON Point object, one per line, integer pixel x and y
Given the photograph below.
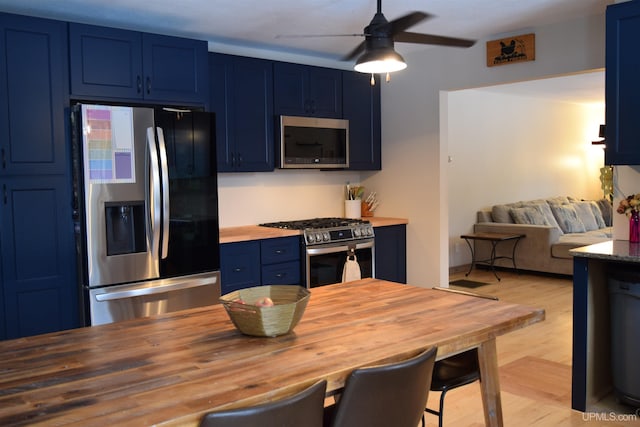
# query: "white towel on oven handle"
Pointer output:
{"type": "Point", "coordinates": [351, 269]}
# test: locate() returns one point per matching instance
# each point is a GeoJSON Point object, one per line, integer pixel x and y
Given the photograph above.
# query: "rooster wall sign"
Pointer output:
{"type": "Point", "coordinates": [511, 49]}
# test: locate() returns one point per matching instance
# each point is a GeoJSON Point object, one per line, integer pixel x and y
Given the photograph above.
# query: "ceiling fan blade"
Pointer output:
{"type": "Point", "coordinates": [300, 36]}
{"type": "Point", "coordinates": [407, 37]}
{"type": "Point", "coordinates": [406, 21]}
{"type": "Point", "coordinates": [355, 52]}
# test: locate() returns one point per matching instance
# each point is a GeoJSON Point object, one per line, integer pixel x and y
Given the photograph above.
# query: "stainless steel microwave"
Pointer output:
{"type": "Point", "coordinates": [313, 143]}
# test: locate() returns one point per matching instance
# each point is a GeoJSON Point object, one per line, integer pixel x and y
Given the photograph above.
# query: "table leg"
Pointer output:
{"type": "Point", "coordinates": [494, 243]}
{"type": "Point", "coordinates": [473, 256]}
{"type": "Point", "coordinates": [490, 383]}
{"type": "Point", "coordinates": [513, 254]}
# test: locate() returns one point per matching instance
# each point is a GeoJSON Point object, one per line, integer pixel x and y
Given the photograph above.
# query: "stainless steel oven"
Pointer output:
{"type": "Point", "coordinates": [328, 243]}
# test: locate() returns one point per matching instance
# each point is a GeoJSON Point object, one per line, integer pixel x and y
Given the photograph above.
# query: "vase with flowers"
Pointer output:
{"type": "Point", "coordinates": [630, 206]}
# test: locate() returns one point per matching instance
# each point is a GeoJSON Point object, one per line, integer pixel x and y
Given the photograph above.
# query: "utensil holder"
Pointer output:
{"type": "Point", "coordinates": [352, 208]}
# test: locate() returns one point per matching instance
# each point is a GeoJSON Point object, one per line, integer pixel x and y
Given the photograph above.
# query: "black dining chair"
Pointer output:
{"type": "Point", "coordinates": [457, 370]}
{"type": "Point", "coordinates": [386, 395]}
{"type": "Point", "coordinates": [453, 372]}
{"type": "Point", "coordinates": [303, 409]}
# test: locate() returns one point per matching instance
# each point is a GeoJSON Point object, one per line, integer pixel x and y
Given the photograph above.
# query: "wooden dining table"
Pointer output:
{"type": "Point", "coordinates": [170, 369]}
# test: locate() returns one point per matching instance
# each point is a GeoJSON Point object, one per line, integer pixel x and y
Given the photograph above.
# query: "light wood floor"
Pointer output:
{"type": "Point", "coordinates": [534, 362]}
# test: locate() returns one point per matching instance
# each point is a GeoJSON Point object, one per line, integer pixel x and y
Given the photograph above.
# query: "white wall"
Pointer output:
{"type": "Point", "coordinates": [520, 148]}
{"type": "Point", "coordinates": [254, 198]}
{"type": "Point", "coordinates": [414, 179]}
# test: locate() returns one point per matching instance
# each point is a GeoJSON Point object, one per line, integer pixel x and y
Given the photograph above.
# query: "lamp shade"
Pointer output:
{"type": "Point", "coordinates": [379, 61]}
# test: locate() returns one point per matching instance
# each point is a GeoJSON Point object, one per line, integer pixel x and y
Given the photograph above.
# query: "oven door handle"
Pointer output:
{"type": "Point", "coordinates": [341, 248]}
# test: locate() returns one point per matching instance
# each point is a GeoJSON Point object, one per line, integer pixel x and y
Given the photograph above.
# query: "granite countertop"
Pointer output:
{"type": "Point", "coordinates": [256, 232]}
{"type": "Point", "coordinates": [613, 250]}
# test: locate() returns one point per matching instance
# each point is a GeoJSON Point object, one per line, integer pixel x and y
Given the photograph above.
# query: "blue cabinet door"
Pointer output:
{"type": "Point", "coordinates": [361, 106]}
{"type": "Point", "coordinates": [622, 87]}
{"type": "Point", "coordinates": [391, 253]}
{"type": "Point", "coordinates": [33, 89]}
{"type": "Point", "coordinates": [239, 265]}
{"type": "Point", "coordinates": [175, 69]}
{"type": "Point", "coordinates": [105, 62]}
{"type": "Point", "coordinates": [114, 63]}
{"type": "Point", "coordinates": [302, 90]}
{"type": "Point", "coordinates": [38, 274]}
{"type": "Point", "coordinates": [242, 98]}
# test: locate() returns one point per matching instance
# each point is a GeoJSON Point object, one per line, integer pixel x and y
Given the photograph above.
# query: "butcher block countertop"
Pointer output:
{"type": "Point", "coordinates": [256, 232]}
{"type": "Point", "coordinates": [169, 370]}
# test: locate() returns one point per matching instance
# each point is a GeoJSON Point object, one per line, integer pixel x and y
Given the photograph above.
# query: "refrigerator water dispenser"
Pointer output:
{"type": "Point", "coordinates": [125, 227]}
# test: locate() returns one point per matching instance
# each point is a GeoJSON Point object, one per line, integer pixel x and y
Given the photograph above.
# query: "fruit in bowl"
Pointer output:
{"type": "Point", "coordinates": [264, 302]}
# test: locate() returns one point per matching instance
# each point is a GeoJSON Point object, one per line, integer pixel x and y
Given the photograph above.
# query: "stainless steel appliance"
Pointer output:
{"type": "Point", "coordinates": [327, 244]}
{"type": "Point", "coordinates": [146, 210]}
{"type": "Point", "coordinates": [313, 143]}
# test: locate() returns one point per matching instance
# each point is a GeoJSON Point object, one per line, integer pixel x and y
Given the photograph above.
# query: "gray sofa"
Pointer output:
{"type": "Point", "coordinates": [552, 227]}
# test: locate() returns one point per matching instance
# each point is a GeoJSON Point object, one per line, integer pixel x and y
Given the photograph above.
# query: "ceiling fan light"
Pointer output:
{"type": "Point", "coordinates": [380, 61]}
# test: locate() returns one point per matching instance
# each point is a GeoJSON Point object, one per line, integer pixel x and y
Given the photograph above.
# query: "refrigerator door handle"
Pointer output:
{"type": "Point", "coordinates": [164, 171]}
{"type": "Point", "coordinates": [153, 193]}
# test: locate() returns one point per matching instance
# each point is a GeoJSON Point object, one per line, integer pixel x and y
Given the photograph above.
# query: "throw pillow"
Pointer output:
{"type": "Point", "coordinates": [606, 209]}
{"type": "Point", "coordinates": [567, 218]}
{"type": "Point", "coordinates": [558, 200]}
{"type": "Point", "coordinates": [585, 213]}
{"type": "Point", "coordinates": [543, 206]}
{"type": "Point", "coordinates": [597, 213]}
{"type": "Point", "coordinates": [528, 215]}
{"type": "Point", "coordinates": [500, 213]}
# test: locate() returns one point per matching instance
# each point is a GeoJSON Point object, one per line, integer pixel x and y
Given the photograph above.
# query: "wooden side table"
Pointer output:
{"type": "Point", "coordinates": [494, 239]}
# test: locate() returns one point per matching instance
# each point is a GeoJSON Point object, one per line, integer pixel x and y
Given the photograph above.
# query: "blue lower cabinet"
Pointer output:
{"type": "Point", "coordinates": [239, 265]}
{"type": "Point", "coordinates": [38, 257]}
{"type": "Point", "coordinates": [260, 262]}
{"type": "Point", "coordinates": [391, 253]}
{"type": "Point", "coordinates": [286, 273]}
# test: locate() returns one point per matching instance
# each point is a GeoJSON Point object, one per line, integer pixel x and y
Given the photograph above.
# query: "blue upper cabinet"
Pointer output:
{"type": "Point", "coordinates": [622, 86]}
{"type": "Point", "coordinates": [242, 98]}
{"type": "Point", "coordinates": [302, 90]}
{"type": "Point", "coordinates": [115, 63]}
{"type": "Point", "coordinates": [33, 89]}
{"type": "Point", "coordinates": [361, 106]}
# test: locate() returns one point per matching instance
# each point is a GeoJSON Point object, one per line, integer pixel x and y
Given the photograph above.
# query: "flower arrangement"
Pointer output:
{"type": "Point", "coordinates": [629, 205]}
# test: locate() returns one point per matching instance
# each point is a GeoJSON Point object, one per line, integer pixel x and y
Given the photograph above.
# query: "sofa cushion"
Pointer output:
{"type": "Point", "coordinates": [528, 215]}
{"type": "Point", "coordinates": [571, 241]}
{"type": "Point", "coordinates": [585, 213]}
{"type": "Point", "coordinates": [567, 218]}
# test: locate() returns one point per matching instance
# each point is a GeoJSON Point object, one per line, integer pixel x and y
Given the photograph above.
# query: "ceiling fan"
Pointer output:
{"type": "Point", "coordinates": [380, 35]}
{"type": "Point", "coordinates": [378, 55]}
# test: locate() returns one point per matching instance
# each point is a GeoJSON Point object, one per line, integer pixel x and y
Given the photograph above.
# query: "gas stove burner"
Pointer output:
{"type": "Point", "coordinates": [315, 223]}
{"type": "Point", "coordinates": [319, 231]}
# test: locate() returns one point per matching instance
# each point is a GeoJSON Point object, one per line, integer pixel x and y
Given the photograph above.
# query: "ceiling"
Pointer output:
{"type": "Point", "coordinates": [257, 24]}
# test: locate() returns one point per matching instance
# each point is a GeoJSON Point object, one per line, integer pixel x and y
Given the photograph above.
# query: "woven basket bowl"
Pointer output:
{"type": "Point", "coordinates": [289, 304]}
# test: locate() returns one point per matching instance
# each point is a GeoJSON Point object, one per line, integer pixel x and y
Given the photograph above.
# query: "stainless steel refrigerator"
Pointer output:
{"type": "Point", "coordinates": [146, 210]}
